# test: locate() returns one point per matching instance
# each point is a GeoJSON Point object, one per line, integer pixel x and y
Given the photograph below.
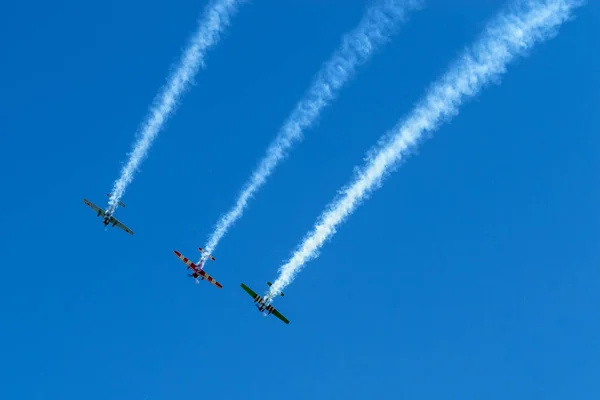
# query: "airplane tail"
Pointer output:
{"type": "Point", "coordinates": [121, 204]}
{"type": "Point", "coordinates": [206, 254]}
{"type": "Point", "coordinates": [269, 283]}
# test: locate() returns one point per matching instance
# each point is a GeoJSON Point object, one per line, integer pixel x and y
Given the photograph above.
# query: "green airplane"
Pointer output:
{"type": "Point", "coordinates": [262, 305]}
{"type": "Point", "coordinates": [107, 216]}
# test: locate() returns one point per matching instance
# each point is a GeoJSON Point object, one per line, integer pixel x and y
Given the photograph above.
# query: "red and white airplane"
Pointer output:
{"type": "Point", "coordinates": [198, 271]}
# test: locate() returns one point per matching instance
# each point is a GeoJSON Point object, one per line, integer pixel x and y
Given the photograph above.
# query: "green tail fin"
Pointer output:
{"type": "Point", "coordinates": [269, 283]}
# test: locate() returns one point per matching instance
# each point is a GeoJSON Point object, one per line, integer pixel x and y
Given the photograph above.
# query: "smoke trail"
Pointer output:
{"type": "Point", "coordinates": [216, 18]}
{"type": "Point", "coordinates": [509, 35]}
{"type": "Point", "coordinates": [378, 24]}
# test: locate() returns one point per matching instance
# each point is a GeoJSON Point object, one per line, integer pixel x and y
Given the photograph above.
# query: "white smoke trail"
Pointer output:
{"type": "Point", "coordinates": [509, 35]}
{"type": "Point", "coordinates": [216, 18]}
{"type": "Point", "coordinates": [378, 24]}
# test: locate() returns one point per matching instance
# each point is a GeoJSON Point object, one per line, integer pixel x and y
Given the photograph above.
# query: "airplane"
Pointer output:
{"type": "Point", "coordinates": [107, 216]}
{"type": "Point", "coordinates": [262, 304]}
{"type": "Point", "coordinates": [198, 268]}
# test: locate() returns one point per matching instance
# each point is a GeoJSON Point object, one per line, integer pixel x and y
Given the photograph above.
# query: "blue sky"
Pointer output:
{"type": "Point", "coordinates": [471, 274]}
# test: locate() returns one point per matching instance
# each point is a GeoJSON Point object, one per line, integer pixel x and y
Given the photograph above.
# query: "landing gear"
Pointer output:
{"type": "Point", "coordinates": [195, 278]}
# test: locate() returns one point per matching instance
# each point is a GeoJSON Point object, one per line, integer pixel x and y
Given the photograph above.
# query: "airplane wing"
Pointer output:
{"type": "Point", "coordinates": [210, 279]}
{"type": "Point", "coordinates": [249, 291]}
{"type": "Point", "coordinates": [185, 260]}
{"type": "Point", "coordinates": [94, 207]}
{"type": "Point", "coordinates": [280, 316]}
{"type": "Point", "coordinates": [121, 226]}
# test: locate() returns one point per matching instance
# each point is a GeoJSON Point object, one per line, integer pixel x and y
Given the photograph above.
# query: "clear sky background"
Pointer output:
{"type": "Point", "coordinates": [472, 274]}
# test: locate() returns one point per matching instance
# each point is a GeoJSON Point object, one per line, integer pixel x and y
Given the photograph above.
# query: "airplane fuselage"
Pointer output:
{"type": "Point", "coordinates": [196, 268]}
{"type": "Point", "coordinates": [196, 273]}
{"type": "Point", "coordinates": [108, 219]}
{"type": "Point", "coordinates": [262, 305]}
